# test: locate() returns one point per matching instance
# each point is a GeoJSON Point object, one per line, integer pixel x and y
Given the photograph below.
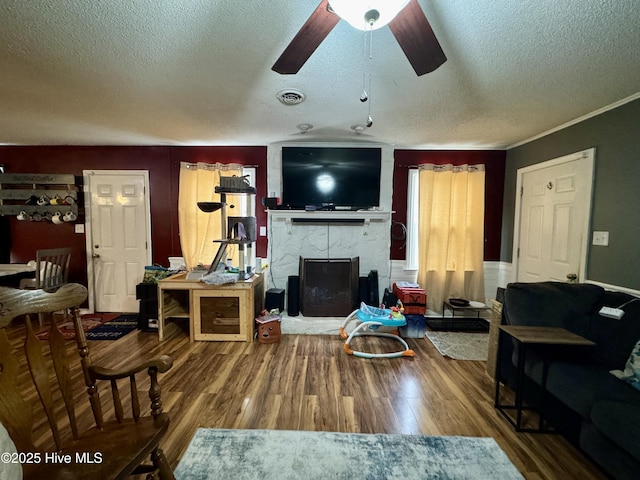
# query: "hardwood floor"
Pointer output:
{"type": "Point", "coordinates": [308, 383]}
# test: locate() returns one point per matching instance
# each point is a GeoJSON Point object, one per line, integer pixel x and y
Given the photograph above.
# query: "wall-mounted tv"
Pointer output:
{"type": "Point", "coordinates": [347, 177]}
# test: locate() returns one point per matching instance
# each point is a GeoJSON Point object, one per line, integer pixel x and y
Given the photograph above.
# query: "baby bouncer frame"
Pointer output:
{"type": "Point", "coordinates": [371, 319]}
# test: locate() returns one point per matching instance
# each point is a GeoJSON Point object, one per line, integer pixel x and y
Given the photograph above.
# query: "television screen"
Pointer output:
{"type": "Point", "coordinates": [342, 177]}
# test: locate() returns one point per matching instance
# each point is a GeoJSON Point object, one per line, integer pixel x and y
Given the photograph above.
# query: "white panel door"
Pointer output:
{"type": "Point", "coordinates": [120, 245]}
{"type": "Point", "coordinates": [554, 214]}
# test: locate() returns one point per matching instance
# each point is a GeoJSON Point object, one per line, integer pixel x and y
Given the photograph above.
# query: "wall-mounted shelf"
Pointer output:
{"type": "Point", "coordinates": [38, 195]}
{"type": "Point", "coordinates": [363, 218]}
{"type": "Point", "coordinates": [330, 215]}
{"type": "Point", "coordinates": [327, 220]}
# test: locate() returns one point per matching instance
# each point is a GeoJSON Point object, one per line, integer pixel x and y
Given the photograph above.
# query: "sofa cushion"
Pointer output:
{"type": "Point", "coordinates": [619, 463]}
{"type": "Point", "coordinates": [615, 338]}
{"type": "Point", "coordinates": [620, 422]}
{"type": "Point", "coordinates": [580, 387]}
{"type": "Point", "coordinates": [552, 304]}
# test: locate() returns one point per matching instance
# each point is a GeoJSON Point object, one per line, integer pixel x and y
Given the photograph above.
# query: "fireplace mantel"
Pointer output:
{"type": "Point", "coordinates": [362, 217]}
{"type": "Point", "coordinates": [328, 234]}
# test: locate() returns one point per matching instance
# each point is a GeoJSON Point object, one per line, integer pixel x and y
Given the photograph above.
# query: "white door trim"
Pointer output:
{"type": "Point", "coordinates": [88, 218]}
{"type": "Point", "coordinates": [590, 155]}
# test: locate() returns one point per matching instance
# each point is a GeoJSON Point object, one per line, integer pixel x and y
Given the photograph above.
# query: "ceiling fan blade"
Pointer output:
{"type": "Point", "coordinates": [417, 40]}
{"type": "Point", "coordinates": [310, 36]}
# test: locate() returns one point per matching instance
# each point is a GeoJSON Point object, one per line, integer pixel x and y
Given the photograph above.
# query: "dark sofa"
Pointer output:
{"type": "Point", "coordinates": [597, 411]}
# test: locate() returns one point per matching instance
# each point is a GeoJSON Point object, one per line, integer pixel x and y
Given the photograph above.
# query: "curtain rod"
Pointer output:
{"type": "Point", "coordinates": [443, 166]}
{"type": "Point", "coordinates": [192, 164]}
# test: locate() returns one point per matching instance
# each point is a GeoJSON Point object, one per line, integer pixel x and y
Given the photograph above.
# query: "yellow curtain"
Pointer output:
{"type": "Point", "coordinates": [198, 229]}
{"type": "Point", "coordinates": [451, 233]}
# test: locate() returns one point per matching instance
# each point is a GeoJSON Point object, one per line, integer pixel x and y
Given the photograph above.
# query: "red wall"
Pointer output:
{"type": "Point", "coordinates": [494, 161]}
{"type": "Point", "coordinates": [163, 165]}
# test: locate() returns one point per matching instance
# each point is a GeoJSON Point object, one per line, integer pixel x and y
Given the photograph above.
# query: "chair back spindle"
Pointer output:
{"type": "Point", "coordinates": [135, 403]}
{"type": "Point", "coordinates": [52, 269]}
{"type": "Point", "coordinates": [61, 367]}
{"type": "Point", "coordinates": [42, 379]}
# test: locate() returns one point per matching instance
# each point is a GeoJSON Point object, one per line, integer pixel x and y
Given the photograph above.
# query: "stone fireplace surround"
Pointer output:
{"type": "Point", "coordinates": [328, 287]}
{"type": "Point", "coordinates": [328, 235]}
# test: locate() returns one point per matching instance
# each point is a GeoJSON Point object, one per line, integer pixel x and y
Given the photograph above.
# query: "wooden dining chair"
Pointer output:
{"type": "Point", "coordinates": [111, 447]}
{"type": "Point", "coordinates": [52, 269]}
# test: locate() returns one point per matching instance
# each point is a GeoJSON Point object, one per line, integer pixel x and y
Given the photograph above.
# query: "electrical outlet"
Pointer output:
{"type": "Point", "coordinates": [79, 227]}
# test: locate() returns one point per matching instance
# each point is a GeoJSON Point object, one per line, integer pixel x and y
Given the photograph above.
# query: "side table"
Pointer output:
{"type": "Point", "coordinates": [215, 312]}
{"type": "Point", "coordinates": [461, 323]}
{"type": "Point", "coordinates": [528, 337]}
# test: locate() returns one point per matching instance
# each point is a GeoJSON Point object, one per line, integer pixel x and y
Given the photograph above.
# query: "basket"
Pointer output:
{"type": "Point", "coordinates": [234, 182]}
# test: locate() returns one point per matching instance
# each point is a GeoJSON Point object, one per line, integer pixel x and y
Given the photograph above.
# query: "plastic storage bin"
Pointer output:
{"type": "Point", "coordinates": [415, 327]}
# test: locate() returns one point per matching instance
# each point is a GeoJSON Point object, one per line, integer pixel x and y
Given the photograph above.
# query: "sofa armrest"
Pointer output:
{"type": "Point", "coordinates": [494, 334]}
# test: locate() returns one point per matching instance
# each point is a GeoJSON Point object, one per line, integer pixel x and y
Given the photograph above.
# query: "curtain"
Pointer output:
{"type": "Point", "coordinates": [451, 233]}
{"type": "Point", "coordinates": [198, 229]}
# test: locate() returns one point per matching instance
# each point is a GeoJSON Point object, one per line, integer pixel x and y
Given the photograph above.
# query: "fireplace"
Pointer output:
{"type": "Point", "coordinates": [328, 287]}
{"type": "Point", "coordinates": [328, 235]}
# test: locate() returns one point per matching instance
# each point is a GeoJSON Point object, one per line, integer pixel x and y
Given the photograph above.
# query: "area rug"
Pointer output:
{"type": "Point", "coordinates": [89, 322]}
{"type": "Point", "coordinates": [285, 454]}
{"type": "Point", "coordinates": [461, 345]}
{"type": "Point", "coordinates": [114, 329]}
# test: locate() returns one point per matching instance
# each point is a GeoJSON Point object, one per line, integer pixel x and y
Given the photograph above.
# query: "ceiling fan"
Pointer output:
{"type": "Point", "coordinates": [409, 26]}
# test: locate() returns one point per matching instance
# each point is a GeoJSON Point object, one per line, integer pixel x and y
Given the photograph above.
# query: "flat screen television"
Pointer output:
{"type": "Point", "coordinates": [347, 177]}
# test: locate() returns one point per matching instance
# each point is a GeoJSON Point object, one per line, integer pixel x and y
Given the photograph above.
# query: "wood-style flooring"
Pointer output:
{"type": "Point", "coordinates": [307, 382]}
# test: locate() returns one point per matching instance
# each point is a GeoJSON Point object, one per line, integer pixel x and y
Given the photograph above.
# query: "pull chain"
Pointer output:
{"type": "Point", "coordinates": [364, 96]}
{"type": "Point", "coordinates": [366, 77]}
{"type": "Point", "coordinates": [369, 119]}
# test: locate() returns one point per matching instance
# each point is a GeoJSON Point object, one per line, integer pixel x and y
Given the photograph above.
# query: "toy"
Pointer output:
{"type": "Point", "coordinates": [372, 319]}
{"type": "Point", "coordinates": [269, 326]}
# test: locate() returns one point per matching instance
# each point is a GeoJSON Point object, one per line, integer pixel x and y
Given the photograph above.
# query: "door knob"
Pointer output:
{"type": "Point", "coordinates": [572, 277]}
{"type": "Point", "coordinates": [95, 255]}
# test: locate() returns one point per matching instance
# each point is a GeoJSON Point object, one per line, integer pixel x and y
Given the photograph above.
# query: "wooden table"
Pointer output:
{"type": "Point", "coordinates": [12, 273]}
{"type": "Point", "coordinates": [526, 337]}
{"type": "Point", "coordinates": [215, 312]}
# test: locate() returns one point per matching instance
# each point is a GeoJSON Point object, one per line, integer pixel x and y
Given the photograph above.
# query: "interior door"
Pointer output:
{"type": "Point", "coordinates": [555, 204]}
{"type": "Point", "coordinates": [119, 240]}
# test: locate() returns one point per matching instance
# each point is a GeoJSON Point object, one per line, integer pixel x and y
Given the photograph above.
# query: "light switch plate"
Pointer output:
{"type": "Point", "coordinates": [601, 238]}
{"type": "Point", "coordinates": [79, 227]}
{"type": "Point", "coordinates": [263, 231]}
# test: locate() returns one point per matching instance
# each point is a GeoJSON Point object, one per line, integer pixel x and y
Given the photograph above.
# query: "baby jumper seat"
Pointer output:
{"type": "Point", "coordinates": [371, 319]}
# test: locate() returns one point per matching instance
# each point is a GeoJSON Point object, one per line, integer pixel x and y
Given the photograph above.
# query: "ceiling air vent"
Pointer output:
{"type": "Point", "coordinates": [291, 96]}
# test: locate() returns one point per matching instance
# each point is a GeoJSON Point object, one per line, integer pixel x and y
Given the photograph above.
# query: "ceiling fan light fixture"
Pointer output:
{"type": "Point", "coordinates": [367, 14]}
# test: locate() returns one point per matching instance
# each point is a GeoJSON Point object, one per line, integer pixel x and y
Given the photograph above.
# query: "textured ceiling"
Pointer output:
{"type": "Point", "coordinates": [198, 72]}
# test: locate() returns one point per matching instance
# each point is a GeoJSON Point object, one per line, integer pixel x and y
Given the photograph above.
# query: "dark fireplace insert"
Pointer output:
{"type": "Point", "coordinates": [329, 287]}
